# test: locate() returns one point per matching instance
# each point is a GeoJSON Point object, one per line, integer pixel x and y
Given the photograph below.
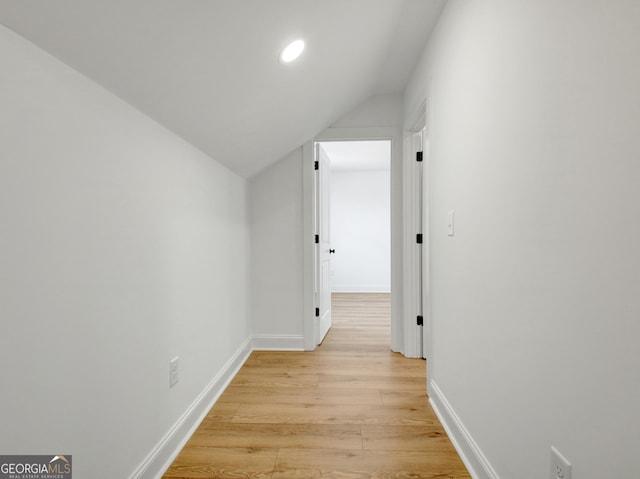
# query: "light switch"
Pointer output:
{"type": "Point", "coordinates": [450, 230]}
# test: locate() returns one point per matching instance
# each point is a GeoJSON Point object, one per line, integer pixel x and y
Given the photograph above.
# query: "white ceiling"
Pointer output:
{"type": "Point", "coordinates": [209, 70]}
{"type": "Point", "coordinates": [358, 155]}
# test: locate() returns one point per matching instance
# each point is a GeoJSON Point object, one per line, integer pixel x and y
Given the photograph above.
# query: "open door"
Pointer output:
{"type": "Point", "coordinates": [323, 245]}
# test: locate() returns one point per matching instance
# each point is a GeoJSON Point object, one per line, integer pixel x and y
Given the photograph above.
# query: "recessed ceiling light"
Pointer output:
{"type": "Point", "coordinates": [292, 51]}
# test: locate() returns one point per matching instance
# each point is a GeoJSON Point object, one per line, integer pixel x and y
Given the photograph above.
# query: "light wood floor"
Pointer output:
{"type": "Point", "coordinates": [351, 409]}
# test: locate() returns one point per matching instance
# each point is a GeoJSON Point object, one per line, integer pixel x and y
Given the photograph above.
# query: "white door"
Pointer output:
{"type": "Point", "coordinates": [323, 246]}
{"type": "Point", "coordinates": [417, 141]}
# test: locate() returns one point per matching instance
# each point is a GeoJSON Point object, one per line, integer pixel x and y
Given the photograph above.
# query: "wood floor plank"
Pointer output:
{"type": "Point", "coordinates": [405, 383]}
{"type": "Point", "coordinates": [223, 463]}
{"type": "Point", "coordinates": [292, 436]}
{"type": "Point", "coordinates": [351, 409]}
{"type": "Point", "coordinates": [426, 438]}
{"type": "Point", "coordinates": [222, 412]}
{"type": "Point", "coordinates": [332, 414]}
{"type": "Point", "coordinates": [237, 395]}
{"type": "Point", "coordinates": [285, 379]}
{"type": "Point", "coordinates": [356, 464]}
{"type": "Point", "coordinates": [402, 397]}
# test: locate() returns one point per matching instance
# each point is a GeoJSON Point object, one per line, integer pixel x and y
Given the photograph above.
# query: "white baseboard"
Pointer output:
{"type": "Point", "coordinates": [159, 460]}
{"type": "Point", "coordinates": [271, 342]}
{"type": "Point", "coordinates": [472, 456]}
{"type": "Point", "coordinates": [361, 289]}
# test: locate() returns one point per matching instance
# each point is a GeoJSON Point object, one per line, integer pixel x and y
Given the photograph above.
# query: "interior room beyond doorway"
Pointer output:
{"type": "Point", "coordinates": [360, 217]}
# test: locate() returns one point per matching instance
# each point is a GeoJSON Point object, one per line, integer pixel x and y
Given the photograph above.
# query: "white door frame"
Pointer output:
{"type": "Point", "coordinates": [413, 252]}
{"type": "Point", "coordinates": [416, 220]}
{"type": "Point", "coordinates": [394, 135]}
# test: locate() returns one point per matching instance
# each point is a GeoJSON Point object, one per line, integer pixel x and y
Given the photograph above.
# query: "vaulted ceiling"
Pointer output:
{"type": "Point", "coordinates": [209, 70]}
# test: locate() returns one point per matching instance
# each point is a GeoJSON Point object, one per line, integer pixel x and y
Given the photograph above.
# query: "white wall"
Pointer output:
{"type": "Point", "coordinates": [360, 231]}
{"type": "Point", "coordinates": [121, 246]}
{"type": "Point", "coordinates": [276, 254]}
{"type": "Point", "coordinates": [534, 116]}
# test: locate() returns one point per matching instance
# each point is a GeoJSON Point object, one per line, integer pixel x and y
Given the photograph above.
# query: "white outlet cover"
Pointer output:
{"type": "Point", "coordinates": [560, 466]}
{"type": "Point", "coordinates": [450, 226]}
{"type": "Point", "coordinates": [174, 371]}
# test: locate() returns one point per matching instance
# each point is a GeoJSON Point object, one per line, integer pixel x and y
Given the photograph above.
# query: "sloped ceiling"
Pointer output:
{"type": "Point", "coordinates": [209, 70]}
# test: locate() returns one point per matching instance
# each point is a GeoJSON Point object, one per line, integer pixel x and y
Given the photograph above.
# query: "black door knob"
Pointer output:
{"type": "Point", "coordinates": [332, 251]}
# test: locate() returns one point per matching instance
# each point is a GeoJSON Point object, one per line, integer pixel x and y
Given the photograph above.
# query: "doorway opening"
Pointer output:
{"type": "Point", "coordinates": [399, 321]}
{"type": "Point", "coordinates": [353, 220]}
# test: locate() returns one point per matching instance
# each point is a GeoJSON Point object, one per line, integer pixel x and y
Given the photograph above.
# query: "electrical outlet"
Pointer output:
{"type": "Point", "coordinates": [173, 371]}
{"type": "Point", "coordinates": [560, 467]}
{"type": "Point", "coordinates": [450, 227]}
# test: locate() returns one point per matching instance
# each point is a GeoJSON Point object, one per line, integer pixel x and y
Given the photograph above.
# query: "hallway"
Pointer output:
{"type": "Point", "coordinates": [349, 409]}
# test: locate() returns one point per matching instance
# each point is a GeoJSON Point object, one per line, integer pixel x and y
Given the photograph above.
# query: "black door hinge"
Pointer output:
{"type": "Point", "coordinates": [418, 156]}
{"type": "Point", "coordinates": [316, 165]}
{"type": "Point", "coordinates": [317, 239]}
{"type": "Point", "coordinates": [419, 238]}
{"type": "Point", "coordinates": [420, 320]}
{"type": "Point", "coordinates": [317, 312]}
